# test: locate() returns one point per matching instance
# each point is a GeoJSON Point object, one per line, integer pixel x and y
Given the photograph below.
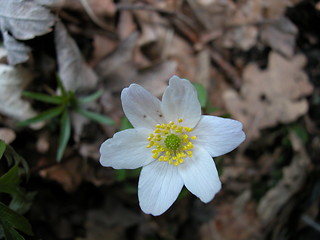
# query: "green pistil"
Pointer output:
{"type": "Point", "coordinates": [172, 142]}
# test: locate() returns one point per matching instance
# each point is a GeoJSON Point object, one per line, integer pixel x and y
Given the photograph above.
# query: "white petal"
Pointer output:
{"type": "Point", "coordinates": [141, 107]}
{"type": "Point", "coordinates": [218, 135]}
{"type": "Point", "coordinates": [200, 175]}
{"type": "Point", "coordinates": [159, 186]}
{"type": "Point", "coordinates": [180, 100]}
{"type": "Point", "coordinates": [126, 150]}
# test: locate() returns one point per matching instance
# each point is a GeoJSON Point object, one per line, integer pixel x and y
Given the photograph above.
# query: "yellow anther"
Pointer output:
{"type": "Point", "coordinates": [165, 132]}
{"type": "Point", "coordinates": [188, 129]}
{"type": "Point", "coordinates": [171, 143]}
{"type": "Point", "coordinates": [190, 145]}
{"type": "Point", "coordinates": [179, 129]}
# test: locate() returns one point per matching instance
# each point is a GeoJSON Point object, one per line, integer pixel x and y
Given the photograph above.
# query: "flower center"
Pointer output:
{"type": "Point", "coordinates": [171, 142]}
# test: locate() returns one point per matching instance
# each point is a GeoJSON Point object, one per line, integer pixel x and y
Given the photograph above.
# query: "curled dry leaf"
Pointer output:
{"type": "Point", "coordinates": [271, 96]}
{"type": "Point", "coordinates": [73, 71]}
{"type": "Point", "coordinates": [22, 20]}
{"type": "Point", "coordinates": [12, 82]}
{"type": "Point", "coordinates": [18, 52]}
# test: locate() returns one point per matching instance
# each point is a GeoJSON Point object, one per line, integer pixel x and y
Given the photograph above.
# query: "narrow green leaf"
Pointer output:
{"type": "Point", "coordinates": [91, 97]}
{"type": "Point", "coordinates": [12, 234]}
{"type": "Point", "coordinates": [22, 201]}
{"type": "Point", "coordinates": [95, 117]}
{"type": "Point", "coordinates": [301, 133]}
{"type": "Point", "coordinates": [11, 219]}
{"type": "Point", "coordinates": [14, 158]}
{"type": "Point", "coordinates": [65, 131]}
{"type": "Point", "coordinates": [125, 124]}
{"type": "Point", "coordinates": [121, 175]}
{"type": "Point", "coordinates": [202, 94]}
{"type": "Point", "coordinates": [61, 87]}
{"type": "Point", "coordinates": [44, 97]}
{"type": "Point", "coordinates": [9, 181]}
{"type": "Point", "coordinates": [3, 147]}
{"type": "Point", "coordinates": [51, 113]}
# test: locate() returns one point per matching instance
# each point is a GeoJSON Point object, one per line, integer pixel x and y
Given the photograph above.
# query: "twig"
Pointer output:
{"type": "Point", "coordinates": [229, 70]}
{"type": "Point", "coordinates": [311, 222]}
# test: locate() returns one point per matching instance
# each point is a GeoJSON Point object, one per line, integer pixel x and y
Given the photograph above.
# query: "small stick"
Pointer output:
{"type": "Point", "coordinates": [229, 70]}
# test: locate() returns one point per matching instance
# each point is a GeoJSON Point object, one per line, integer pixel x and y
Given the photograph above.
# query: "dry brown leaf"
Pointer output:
{"type": "Point", "coordinates": [271, 96]}
{"type": "Point", "coordinates": [181, 51]}
{"type": "Point", "coordinates": [243, 37]}
{"type": "Point", "coordinates": [294, 177]}
{"type": "Point", "coordinates": [117, 68]}
{"type": "Point", "coordinates": [126, 24]}
{"type": "Point", "coordinates": [69, 174]}
{"type": "Point", "coordinates": [73, 71]}
{"type": "Point", "coordinates": [253, 17]}
{"type": "Point", "coordinates": [155, 79]}
{"type": "Point", "coordinates": [280, 36]}
{"type": "Point", "coordinates": [13, 80]}
{"type": "Point", "coordinates": [7, 135]}
{"type": "Point", "coordinates": [233, 220]}
{"type": "Point", "coordinates": [110, 221]}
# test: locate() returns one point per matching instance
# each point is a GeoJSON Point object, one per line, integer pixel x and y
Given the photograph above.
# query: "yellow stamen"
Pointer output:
{"type": "Point", "coordinates": [171, 142]}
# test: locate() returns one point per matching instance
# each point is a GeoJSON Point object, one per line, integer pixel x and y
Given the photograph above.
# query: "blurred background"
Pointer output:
{"type": "Point", "coordinates": [63, 64]}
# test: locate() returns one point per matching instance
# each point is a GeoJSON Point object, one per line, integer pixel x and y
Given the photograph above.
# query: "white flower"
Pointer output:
{"type": "Point", "coordinates": [172, 142]}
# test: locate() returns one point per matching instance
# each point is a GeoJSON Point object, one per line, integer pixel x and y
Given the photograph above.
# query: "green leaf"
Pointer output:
{"type": "Point", "coordinates": [44, 97]}
{"type": "Point", "coordinates": [202, 94]}
{"type": "Point", "coordinates": [9, 220]}
{"type": "Point", "coordinates": [95, 116]}
{"type": "Point", "coordinates": [61, 87]}
{"type": "Point", "coordinates": [9, 181]}
{"type": "Point", "coordinates": [301, 133]}
{"type": "Point", "coordinates": [21, 202]}
{"type": "Point", "coordinates": [91, 97]}
{"type": "Point", "coordinates": [65, 131]}
{"type": "Point", "coordinates": [12, 234]}
{"type": "Point", "coordinates": [125, 124]}
{"type": "Point", "coordinates": [51, 113]}
{"type": "Point", "coordinates": [184, 192]}
{"type": "Point", "coordinates": [121, 175]}
{"type": "Point", "coordinates": [3, 147]}
{"type": "Point", "coordinates": [14, 158]}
